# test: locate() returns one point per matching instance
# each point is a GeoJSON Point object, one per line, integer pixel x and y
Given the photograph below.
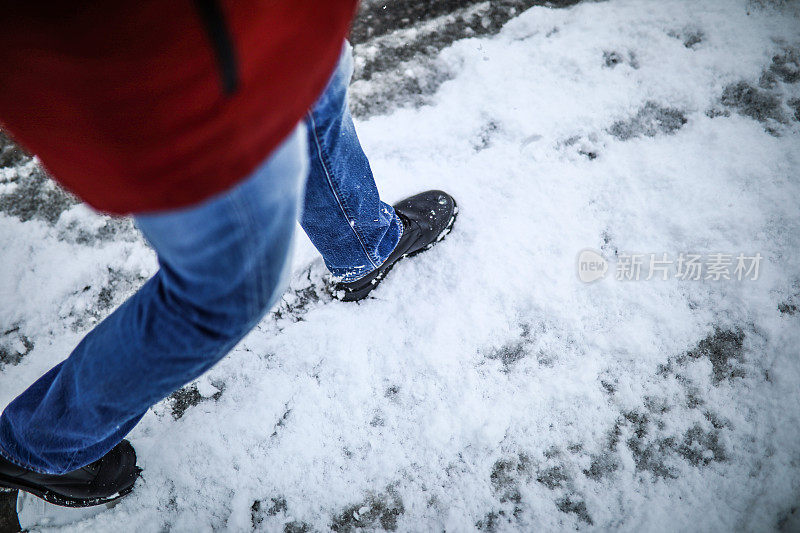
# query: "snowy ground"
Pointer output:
{"type": "Point", "coordinates": [485, 386]}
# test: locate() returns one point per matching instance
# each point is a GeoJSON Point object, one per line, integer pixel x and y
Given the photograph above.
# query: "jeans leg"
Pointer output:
{"type": "Point", "coordinates": [343, 214]}
{"type": "Point", "coordinates": [222, 265]}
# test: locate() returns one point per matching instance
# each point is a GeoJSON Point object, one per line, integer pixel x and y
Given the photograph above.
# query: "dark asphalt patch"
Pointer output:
{"type": "Point", "coordinates": [652, 119]}
{"type": "Point", "coordinates": [11, 155]}
{"type": "Point", "coordinates": [390, 87]}
{"type": "Point", "coordinates": [723, 348]}
{"type": "Point", "coordinates": [377, 510]}
{"type": "Point", "coordinates": [379, 17]}
{"type": "Point", "coordinates": [184, 398]}
{"type": "Point", "coordinates": [36, 197]}
{"type": "Point", "coordinates": [14, 346]}
{"type": "Point", "coordinates": [690, 37]}
{"type": "Point", "coordinates": [756, 103]}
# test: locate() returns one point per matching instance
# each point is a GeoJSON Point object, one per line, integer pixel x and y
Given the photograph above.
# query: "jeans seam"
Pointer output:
{"type": "Point", "coordinates": [22, 464]}
{"type": "Point", "coordinates": [336, 194]}
{"type": "Point", "coordinates": [383, 262]}
{"type": "Point", "coordinates": [246, 219]}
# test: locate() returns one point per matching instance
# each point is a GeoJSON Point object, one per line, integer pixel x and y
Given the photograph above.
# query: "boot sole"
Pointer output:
{"type": "Point", "coordinates": [59, 499]}
{"type": "Point", "coordinates": [363, 293]}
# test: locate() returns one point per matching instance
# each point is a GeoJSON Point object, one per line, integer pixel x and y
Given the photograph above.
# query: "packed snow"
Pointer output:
{"type": "Point", "coordinates": [485, 386]}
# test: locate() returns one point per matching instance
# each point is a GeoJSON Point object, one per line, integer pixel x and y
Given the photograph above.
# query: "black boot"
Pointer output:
{"type": "Point", "coordinates": [427, 217]}
{"type": "Point", "coordinates": [110, 477]}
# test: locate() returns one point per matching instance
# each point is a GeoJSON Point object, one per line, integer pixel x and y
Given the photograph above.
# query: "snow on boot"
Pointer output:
{"type": "Point", "coordinates": [427, 217]}
{"type": "Point", "coordinates": [110, 477]}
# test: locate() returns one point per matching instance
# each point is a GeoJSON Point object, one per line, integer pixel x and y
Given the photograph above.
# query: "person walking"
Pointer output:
{"type": "Point", "coordinates": [217, 125]}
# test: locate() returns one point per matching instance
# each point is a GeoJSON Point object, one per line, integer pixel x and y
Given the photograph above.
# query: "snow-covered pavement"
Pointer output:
{"type": "Point", "coordinates": [485, 386]}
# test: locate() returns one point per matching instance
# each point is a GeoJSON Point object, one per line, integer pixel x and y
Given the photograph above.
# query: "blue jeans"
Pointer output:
{"type": "Point", "coordinates": [222, 265]}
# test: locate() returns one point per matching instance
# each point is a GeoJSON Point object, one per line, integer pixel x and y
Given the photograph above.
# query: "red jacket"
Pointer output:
{"type": "Point", "coordinates": [147, 105]}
